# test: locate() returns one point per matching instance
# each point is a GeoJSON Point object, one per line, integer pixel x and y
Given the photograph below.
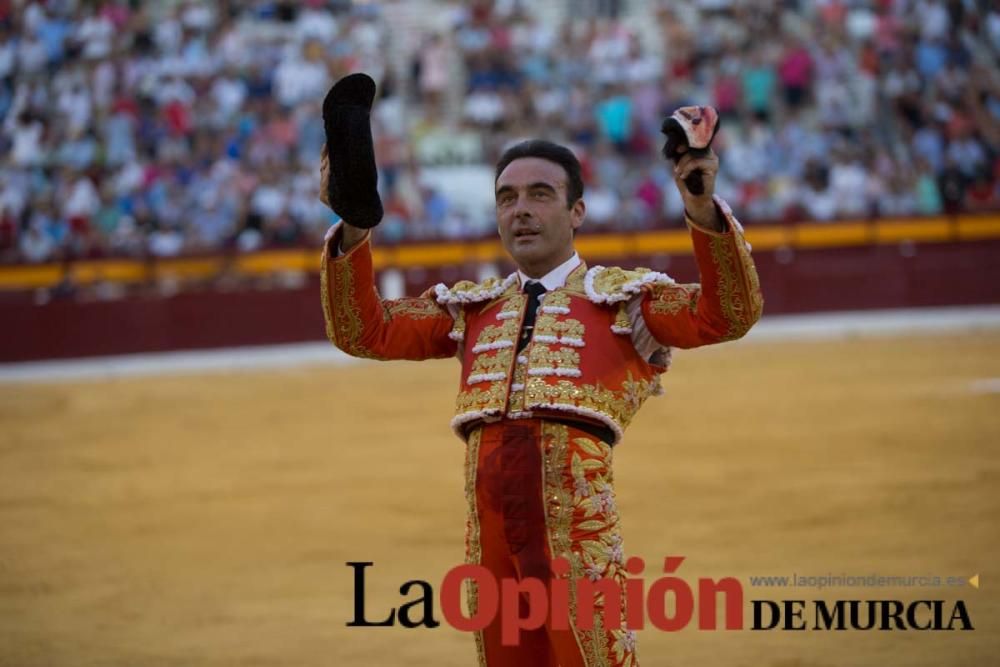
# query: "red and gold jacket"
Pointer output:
{"type": "Point", "coordinates": [581, 362]}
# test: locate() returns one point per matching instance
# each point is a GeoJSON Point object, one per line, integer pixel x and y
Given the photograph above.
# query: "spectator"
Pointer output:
{"type": "Point", "coordinates": [795, 71]}
{"type": "Point", "coordinates": [36, 245]}
{"type": "Point", "coordinates": [603, 203]}
{"type": "Point", "coordinates": [433, 71]}
{"type": "Point", "coordinates": [189, 126]}
{"type": "Point", "coordinates": [614, 117]}
{"type": "Point", "coordinates": [759, 82]}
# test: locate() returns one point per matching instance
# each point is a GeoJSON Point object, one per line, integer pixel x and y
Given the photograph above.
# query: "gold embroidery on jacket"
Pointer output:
{"type": "Point", "coordinates": [611, 280]}
{"type": "Point", "coordinates": [672, 299]}
{"type": "Point", "coordinates": [324, 294]}
{"type": "Point", "coordinates": [493, 333]}
{"type": "Point", "coordinates": [574, 281]}
{"type": "Point", "coordinates": [486, 363]}
{"type": "Point", "coordinates": [734, 289]}
{"type": "Point", "coordinates": [472, 292]}
{"type": "Point", "coordinates": [414, 308]}
{"type": "Point", "coordinates": [476, 399]}
{"type": "Point", "coordinates": [549, 325]}
{"type": "Point", "coordinates": [511, 309]}
{"type": "Point", "coordinates": [458, 329]}
{"type": "Point", "coordinates": [487, 367]}
{"type": "Point", "coordinates": [515, 403]}
{"type": "Point", "coordinates": [513, 299]}
{"type": "Point", "coordinates": [753, 280]}
{"type": "Point", "coordinates": [543, 356]}
{"type": "Point", "coordinates": [622, 322]}
{"type": "Point", "coordinates": [556, 299]}
{"type": "Point", "coordinates": [619, 407]}
{"type": "Point", "coordinates": [346, 316]}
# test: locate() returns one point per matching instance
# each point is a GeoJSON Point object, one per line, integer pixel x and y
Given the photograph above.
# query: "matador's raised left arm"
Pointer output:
{"type": "Point", "coordinates": [723, 306]}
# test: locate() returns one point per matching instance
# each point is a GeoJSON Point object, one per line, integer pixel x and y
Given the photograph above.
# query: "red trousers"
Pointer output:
{"type": "Point", "coordinates": [538, 490]}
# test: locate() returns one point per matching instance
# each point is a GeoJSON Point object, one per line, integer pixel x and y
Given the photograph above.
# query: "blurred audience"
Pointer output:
{"type": "Point", "coordinates": [160, 129]}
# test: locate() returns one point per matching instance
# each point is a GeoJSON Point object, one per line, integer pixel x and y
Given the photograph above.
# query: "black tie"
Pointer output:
{"type": "Point", "coordinates": [534, 290]}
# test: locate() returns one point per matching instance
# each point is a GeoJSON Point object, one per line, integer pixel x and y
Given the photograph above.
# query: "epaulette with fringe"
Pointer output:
{"type": "Point", "coordinates": [466, 291]}
{"type": "Point", "coordinates": [613, 284]}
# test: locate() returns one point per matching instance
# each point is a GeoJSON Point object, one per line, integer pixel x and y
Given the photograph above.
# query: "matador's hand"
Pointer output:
{"type": "Point", "coordinates": [689, 132]}
{"type": "Point", "coordinates": [700, 207]}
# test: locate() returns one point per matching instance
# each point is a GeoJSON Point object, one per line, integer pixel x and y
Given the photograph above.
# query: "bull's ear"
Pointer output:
{"type": "Point", "coordinates": [690, 129]}
{"type": "Point", "coordinates": [676, 143]}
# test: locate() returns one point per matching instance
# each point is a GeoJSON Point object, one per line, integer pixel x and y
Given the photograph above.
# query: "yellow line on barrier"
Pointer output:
{"type": "Point", "coordinates": [436, 254]}
{"type": "Point", "coordinates": [675, 242]}
{"type": "Point", "coordinates": [117, 270]}
{"type": "Point", "coordinates": [271, 261]}
{"type": "Point", "coordinates": [487, 251]}
{"type": "Point", "coordinates": [28, 277]}
{"type": "Point", "coordinates": [188, 268]}
{"type": "Point", "coordinates": [611, 245]}
{"type": "Point", "coordinates": [769, 236]}
{"type": "Point", "coordinates": [431, 255]}
{"type": "Point", "coordinates": [978, 228]}
{"type": "Point", "coordinates": [927, 229]}
{"type": "Point", "coordinates": [832, 234]}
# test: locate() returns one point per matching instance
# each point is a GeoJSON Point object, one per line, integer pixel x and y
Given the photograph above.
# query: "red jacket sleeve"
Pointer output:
{"type": "Point", "coordinates": [723, 306]}
{"type": "Point", "coordinates": [362, 324]}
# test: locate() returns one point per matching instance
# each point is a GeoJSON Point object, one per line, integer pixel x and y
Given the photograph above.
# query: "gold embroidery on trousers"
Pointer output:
{"type": "Point", "coordinates": [583, 526]}
{"type": "Point", "coordinates": [473, 546]}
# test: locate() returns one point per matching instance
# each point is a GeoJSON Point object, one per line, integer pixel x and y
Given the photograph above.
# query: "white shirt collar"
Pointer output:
{"type": "Point", "coordinates": [555, 278]}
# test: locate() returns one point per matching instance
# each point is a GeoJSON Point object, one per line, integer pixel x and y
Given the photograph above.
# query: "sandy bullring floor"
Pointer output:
{"type": "Point", "coordinates": [205, 519]}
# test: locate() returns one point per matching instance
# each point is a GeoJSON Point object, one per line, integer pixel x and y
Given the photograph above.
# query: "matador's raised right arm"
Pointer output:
{"type": "Point", "coordinates": [362, 324]}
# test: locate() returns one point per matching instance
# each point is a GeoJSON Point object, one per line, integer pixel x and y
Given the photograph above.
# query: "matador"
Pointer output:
{"type": "Point", "coordinates": [556, 358]}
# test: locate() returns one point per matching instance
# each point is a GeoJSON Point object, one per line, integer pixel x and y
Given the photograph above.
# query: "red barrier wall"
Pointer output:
{"type": "Point", "coordinates": [860, 277]}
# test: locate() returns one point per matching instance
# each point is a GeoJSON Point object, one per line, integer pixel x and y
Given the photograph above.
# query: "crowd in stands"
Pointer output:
{"type": "Point", "coordinates": [156, 129]}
